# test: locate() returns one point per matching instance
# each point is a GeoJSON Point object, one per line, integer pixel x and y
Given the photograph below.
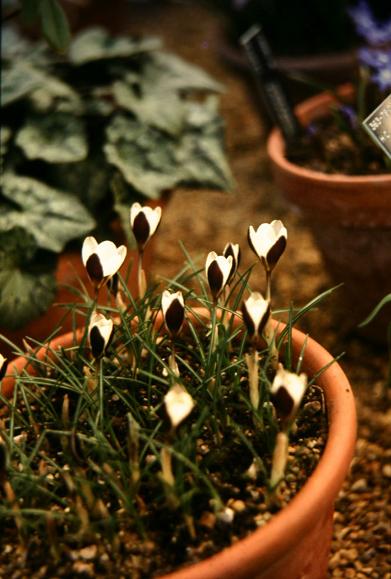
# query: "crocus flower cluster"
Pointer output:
{"type": "Point", "coordinates": [103, 262]}
{"type": "Point", "coordinates": [268, 242]}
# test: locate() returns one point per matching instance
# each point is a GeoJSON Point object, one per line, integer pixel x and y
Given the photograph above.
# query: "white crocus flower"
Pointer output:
{"type": "Point", "coordinates": [268, 242]}
{"type": "Point", "coordinates": [144, 222]}
{"type": "Point", "coordinates": [217, 269]}
{"type": "Point", "coordinates": [173, 307]}
{"type": "Point", "coordinates": [179, 404]}
{"type": "Point", "coordinates": [3, 366]}
{"type": "Point", "coordinates": [256, 314]}
{"type": "Point", "coordinates": [233, 250]}
{"type": "Point", "coordinates": [287, 392]}
{"type": "Point", "coordinates": [102, 260]}
{"type": "Point", "coordinates": [100, 331]}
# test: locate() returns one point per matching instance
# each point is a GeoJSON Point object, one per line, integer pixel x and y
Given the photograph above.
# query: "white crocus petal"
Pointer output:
{"type": "Point", "coordinates": [111, 257]}
{"type": "Point", "coordinates": [3, 366]}
{"type": "Point", "coordinates": [268, 242]}
{"type": "Point", "coordinates": [100, 330]}
{"type": "Point", "coordinates": [173, 307]}
{"type": "Point", "coordinates": [233, 250]}
{"type": "Point", "coordinates": [102, 260]}
{"type": "Point", "coordinates": [287, 391]}
{"type": "Point", "coordinates": [179, 404]}
{"type": "Point", "coordinates": [217, 270]}
{"type": "Point", "coordinates": [89, 247]}
{"type": "Point", "coordinates": [144, 221]}
{"type": "Point", "coordinates": [256, 313]}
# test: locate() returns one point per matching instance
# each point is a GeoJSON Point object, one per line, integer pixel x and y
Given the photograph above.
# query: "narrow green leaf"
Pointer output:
{"type": "Point", "coordinates": [376, 310]}
{"type": "Point", "coordinates": [55, 25]}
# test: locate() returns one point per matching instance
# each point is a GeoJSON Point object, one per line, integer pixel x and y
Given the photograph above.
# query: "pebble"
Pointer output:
{"type": "Point", "coordinates": [89, 552]}
{"type": "Point", "coordinates": [386, 471]}
{"type": "Point", "coordinates": [359, 485]}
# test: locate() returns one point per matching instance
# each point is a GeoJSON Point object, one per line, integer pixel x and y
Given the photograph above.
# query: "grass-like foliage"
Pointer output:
{"type": "Point", "coordinates": [155, 413]}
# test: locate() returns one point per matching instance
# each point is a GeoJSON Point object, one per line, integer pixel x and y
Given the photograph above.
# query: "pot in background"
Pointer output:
{"type": "Point", "coordinates": [350, 219]}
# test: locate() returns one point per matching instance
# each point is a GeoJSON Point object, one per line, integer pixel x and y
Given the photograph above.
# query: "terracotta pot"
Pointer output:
{"type": "Point", "coordinates": [350, 218]}
{"type": "Point", "coordinates": [296, 542]}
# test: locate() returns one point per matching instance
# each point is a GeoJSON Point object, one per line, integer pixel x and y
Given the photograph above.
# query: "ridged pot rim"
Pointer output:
{"type": "Point", "coordinates": [311, 108]}
{"type": "Point", "coordinates": [267, 544]}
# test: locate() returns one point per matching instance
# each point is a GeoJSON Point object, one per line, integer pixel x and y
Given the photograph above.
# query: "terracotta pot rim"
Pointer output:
{"type": "Point", "coordinates": [300, 515]}
{"type": "Point", "coordinates": [315, 106]}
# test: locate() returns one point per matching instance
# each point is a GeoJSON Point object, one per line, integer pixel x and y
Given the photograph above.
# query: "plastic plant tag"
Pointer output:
{"type": "Point", "coordinates": [378, 125]}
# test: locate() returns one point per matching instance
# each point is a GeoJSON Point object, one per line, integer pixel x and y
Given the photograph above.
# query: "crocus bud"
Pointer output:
{"type": "Point", "coordinates": [102, 260]}
{"type": "Point", "coordinates": [173, 307]}
{"type": "Point", "coordinates": [144, 221]}
{"type": "Point", "coordinates": [233, 250]}
{"type": "Point", "coordinates": [3, 366]}
{"type": "Point", "coordinates": [179, 404]}
{"type": "Point", "coordinates": [256, 314]}
{"type": "Point", "coordinates": [217, 270]}
{"type": "Point", "coordinates": [100, 331]}
{"type": "Point", "coordinates": [268, 242]}
{"type": "Point", "coordinates": [287, 393]}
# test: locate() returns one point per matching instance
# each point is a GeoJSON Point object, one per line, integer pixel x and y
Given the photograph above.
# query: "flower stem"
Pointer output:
{"type": "Point", "coordinates": [252, 362]}
{"type": "Point", "coordinates": [280, 458]}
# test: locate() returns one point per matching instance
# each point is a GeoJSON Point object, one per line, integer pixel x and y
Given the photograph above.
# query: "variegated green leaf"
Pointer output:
{"type": "Point", "coordinates": [164, 110]}
{"type": "Point", "coordinates": [166, 71]}
{"type": "Point", "coordinates": [27, 283]}
{"type": "Point", "coordinates": [52, 217]}
{"type": "Point", "coordinates": [55, 138]}
{"type": "Point", "coordinates": [145, 157]}
{"type": "Point", "coordinates": [97, 44]}
{"type": "Point", "coordinates": [5, 136]}
{"type": "Point", "coordinates": [19, 80]}
{"type": "Point", "coordinates": [56, 95]}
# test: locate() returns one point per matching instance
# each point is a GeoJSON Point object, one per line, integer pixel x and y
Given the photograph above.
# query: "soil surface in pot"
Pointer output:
{"type": "Point", "coordinates": [87, 526]}
{"type": "Point", "coordinates": [325, 148]}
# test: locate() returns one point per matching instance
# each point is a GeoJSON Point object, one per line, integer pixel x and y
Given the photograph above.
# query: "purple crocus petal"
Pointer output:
{"type": "Point", "coordinates": [311, 129]}
{"type": "Point", "coordinates": [239, 4]}
{"type": "Point", "coordinates": [366, 26]}
{"type": "Point", "coordinates": [382, 78]}
{"type": "Point", "coordinates": [375, 57]}
{"type": "Point", "coordinates": [349, 114]}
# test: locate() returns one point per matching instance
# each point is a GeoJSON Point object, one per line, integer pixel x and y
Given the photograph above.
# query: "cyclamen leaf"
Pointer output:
{"type": "Point", "coordinates": [55, 24]}
{"type": "Point", "coordinates": [55, 138]}
{"type": "Point", "coordinates": [170, 72]}
{"type": "Point", "coordinates": [161, 109]}
{"type": "Point", "coordinates": [56, 95]}
{"type": "Point", "coordinates": [97, 44]}
{"type": "Point", "coordinates": [19, 80]}
{"type": "Point", "coordinates": [27, 282]}
{"type": "Point", "coordinates": [51, 216]}
{"type": "Point", "coordinates": [145, 157]}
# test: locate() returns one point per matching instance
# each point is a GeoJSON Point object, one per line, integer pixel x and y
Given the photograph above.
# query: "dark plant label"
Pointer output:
{"type": "Point", "coordinates": [378, 125]}
{"type": "Point", "coordinates": [269, 80]}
